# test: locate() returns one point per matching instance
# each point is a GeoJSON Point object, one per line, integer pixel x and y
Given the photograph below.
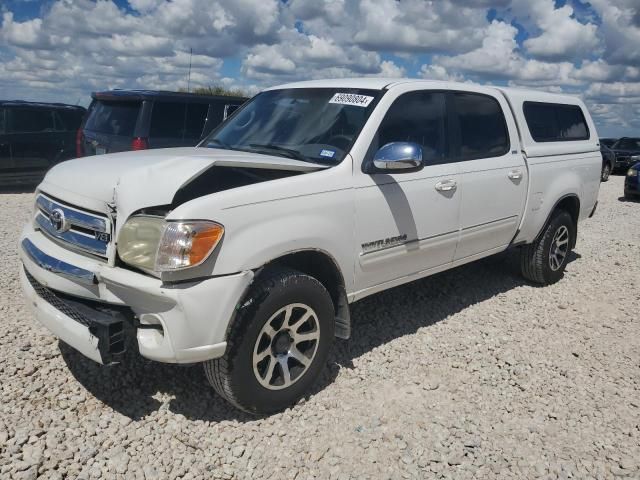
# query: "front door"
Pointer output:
{"type": "Point", "coordinates": [407, 223]}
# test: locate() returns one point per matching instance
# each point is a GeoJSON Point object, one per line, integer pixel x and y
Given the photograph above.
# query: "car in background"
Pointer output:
{"type": "Point", "coordinates": [122, 120]}
{"type": "Point", "coordinates": [608, 142]}
{"type": "Point", "coordinates": [34, 137]}
{"type": "Point", "coordinates": [608, 162]}
{"type": "Point", "coordinates": [627, 151]}
{"type": "Point", "coordinates": [632, 182]}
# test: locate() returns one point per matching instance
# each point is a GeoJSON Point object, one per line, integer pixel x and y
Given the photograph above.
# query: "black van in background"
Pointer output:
{"type": "Point", "coordinates": [34, 137]}
{"type": "Point", "coordinates": [121, 120]}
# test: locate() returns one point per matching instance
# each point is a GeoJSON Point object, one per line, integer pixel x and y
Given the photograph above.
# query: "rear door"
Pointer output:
{"type": "Point", "coordinates": [111, 126]}
{"type": "Point", "coordinates": [493, 174]}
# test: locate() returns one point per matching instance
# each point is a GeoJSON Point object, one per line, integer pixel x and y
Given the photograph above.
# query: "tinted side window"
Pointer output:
{"type": "Point", "coordinates": [2, 121]}
{"type": "Point", "coordinates": [30, 120]}
{"type": "Point", "coordinates": [194, 123]}
{"type": "Point", "coordinates": [554, 122]}
{"type": "Point", "coordinates": [417, 117]}
{"type": "Point", "coordinates": [68, 120]}
{"type": "Point", "coordinates": [482, 126]}
{"type": "Point", "coordinates": [229, 109]}
{"type": "Point", "coordinates": [167, 120]}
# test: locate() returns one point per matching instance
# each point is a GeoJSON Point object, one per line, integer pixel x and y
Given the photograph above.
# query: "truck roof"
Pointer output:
{"type": "Point", "coordinates": [146, 94]}
{"type": "Point", "coordinates": [375, 83]}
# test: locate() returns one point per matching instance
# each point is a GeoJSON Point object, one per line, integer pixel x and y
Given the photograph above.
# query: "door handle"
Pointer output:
{"type": "Point", "coordinates": [446, 186]}
{"type": "Point", "coordinates": [515, 175]}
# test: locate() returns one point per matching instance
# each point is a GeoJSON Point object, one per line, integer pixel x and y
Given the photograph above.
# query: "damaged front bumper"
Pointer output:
{"type": "Point", "coordinates": [90, 305]}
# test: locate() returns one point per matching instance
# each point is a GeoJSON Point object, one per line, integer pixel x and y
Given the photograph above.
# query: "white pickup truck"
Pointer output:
{"type": "Point", "coordinates": [245, 252]}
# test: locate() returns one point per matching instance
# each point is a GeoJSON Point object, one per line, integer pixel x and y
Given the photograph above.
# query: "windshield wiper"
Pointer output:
{"type": "Point", "coordinates": [287, 152]}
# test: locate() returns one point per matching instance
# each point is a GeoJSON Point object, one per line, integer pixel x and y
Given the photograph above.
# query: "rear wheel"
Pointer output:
{"type": "Point", "coordinates": [544, 261]}
{"type": "Point", "coordinates": [278, 343]}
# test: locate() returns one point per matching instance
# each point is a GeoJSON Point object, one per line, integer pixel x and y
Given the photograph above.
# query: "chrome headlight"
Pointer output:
{"type": "Point", "coordinates": [151, 243]}
{"type": "Point", "coordinates": [632, 172]}
{"type": "Point", "coordinates": [635, 158]}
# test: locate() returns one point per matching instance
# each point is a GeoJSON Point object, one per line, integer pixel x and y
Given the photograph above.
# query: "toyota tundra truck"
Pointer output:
{"type": "Point", "coordinates": [245, 252]}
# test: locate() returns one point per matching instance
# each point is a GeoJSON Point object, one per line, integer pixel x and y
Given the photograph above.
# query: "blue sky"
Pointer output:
{"type": "Point", "coordinates": [63, 50]}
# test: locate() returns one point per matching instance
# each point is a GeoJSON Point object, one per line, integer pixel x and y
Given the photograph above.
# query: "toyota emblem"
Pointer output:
{"type": "Point", "coordinates": [58, 221]}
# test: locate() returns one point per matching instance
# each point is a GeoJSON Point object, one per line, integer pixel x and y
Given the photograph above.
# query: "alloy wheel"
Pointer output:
{"type": "Point", "coordinates": [286, 346]}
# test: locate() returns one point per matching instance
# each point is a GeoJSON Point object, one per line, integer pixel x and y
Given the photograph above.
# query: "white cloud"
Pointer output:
{"type": "Point", "coordinates": [75, 46]}
{"type": "Point", "coordinates": [562, 36]}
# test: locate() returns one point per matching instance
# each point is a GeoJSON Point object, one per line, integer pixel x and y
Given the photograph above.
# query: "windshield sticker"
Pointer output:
{"type": "Point", "coordinates": [327, 153]}
{"type": "Point", "coordinates": [351, 99]}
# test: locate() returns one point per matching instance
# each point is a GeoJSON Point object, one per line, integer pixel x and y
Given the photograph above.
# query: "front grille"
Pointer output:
{"type": "Point", "coordinates": [78, 229]}
{"type": "Point", "coordinates": [56, 302]}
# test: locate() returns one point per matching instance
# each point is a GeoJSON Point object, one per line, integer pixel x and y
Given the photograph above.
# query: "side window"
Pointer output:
{"type": "Point", "coordinates": [167, 120]}
{"type": "Point", "coordinates": [482, 126]}
{"type": "Point", "coordinates": [554, 122]}
{"type": "Point", "coordinates": [417, 117]}
{"type": "Point", "coordinates": [2, 120]}
{"type": "Point", "coordinates": [30, 120]}
{"type": "Point", "coordinates": [68, 120]}
{"type": "Point", "coordinates": [194, 123]}
{"type": "Point", "coordinates": [229, 109]}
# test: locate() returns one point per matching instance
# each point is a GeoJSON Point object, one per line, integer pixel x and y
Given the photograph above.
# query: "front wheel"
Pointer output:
{"type": "Point", "coordinates": [606, 171]}
{"type": "Point", "coordinates": [544, 260]}
{"type": "Point", "coordinates": [277, 345]}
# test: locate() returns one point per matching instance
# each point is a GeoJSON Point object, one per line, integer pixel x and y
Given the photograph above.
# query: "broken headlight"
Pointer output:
{"type": "Point", "coordinates": [153, 244]}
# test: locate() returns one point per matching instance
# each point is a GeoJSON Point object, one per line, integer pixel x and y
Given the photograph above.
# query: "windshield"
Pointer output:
{"type": "Point", "coordinates": [312, 124]}
{"type": "Point", "coordinates": [627, 144]}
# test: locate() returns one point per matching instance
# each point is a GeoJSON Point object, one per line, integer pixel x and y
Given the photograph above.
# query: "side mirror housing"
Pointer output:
{"type": "Point", "coordinates": [397, 157]}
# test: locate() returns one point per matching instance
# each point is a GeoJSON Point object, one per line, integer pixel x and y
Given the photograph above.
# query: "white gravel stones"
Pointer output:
{"type": "Point", "coordinates": [472, 373]}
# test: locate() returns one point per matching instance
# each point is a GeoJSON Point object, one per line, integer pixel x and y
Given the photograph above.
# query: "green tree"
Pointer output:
{"type": "Point", "coordinates": [218, 90]}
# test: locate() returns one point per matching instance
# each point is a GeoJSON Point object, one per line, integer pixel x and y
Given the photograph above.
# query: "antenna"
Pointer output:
{"type": "Point", "coordinates": [189, 77]}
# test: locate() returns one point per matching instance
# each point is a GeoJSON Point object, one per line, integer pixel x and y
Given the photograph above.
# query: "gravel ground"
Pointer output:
{"type": "Point", "coordinates": [472, 373]}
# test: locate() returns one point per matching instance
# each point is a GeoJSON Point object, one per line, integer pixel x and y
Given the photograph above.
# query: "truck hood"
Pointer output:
{"type": "Point", "coordinates": [136, 180]}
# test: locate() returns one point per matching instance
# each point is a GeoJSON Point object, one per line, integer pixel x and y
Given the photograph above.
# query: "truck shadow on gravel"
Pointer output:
{"type": "Point", "coordinates": [138, 387]}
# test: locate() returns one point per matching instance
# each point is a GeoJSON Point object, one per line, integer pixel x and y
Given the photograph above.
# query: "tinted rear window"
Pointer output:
{"type": "Point", "coordinates": [113, 118]}
{"type": "Point", "coordinates": [30, 120]}
{"type": "Point", "coordinates": [483, 129]}
{"type": "Point", "coordinates": [554, 122]}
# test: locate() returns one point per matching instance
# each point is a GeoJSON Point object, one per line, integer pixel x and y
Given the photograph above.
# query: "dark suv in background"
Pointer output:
{"type": "Point", "coordinates": [627, 151]}
{"type": "Point", "coordinates": [34, 137]}
{"type": "Point", "coordinates": [120, 120]}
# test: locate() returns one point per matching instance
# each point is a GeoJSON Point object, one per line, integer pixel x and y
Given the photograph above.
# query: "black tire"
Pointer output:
{"type": "Point", "coordinates": [606, 171]}
{"type": "Point", "coordinates": [233, 377]}
{"type": "Point", "coordinates": [535, 260]}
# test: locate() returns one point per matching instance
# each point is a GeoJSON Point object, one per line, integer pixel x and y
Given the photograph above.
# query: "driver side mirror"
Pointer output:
{"type": "Point", "coordinates": [397, 157]}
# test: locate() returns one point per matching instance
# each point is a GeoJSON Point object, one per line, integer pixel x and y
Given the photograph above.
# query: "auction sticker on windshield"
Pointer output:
{"type": "Point", "coordinates": [351, 99]}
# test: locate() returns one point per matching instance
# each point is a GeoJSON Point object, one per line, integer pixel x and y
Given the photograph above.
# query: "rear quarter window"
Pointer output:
{"type": "Point", "coordinates": [68, 120]}
{"type": "Point", "coordinates": [194, 122]}
{"type": "Point", "coordinates": [555, 122]}
{"type": "Point", "coordinates": [113, 118]}
{"type": "Point", "coordinates": [167, 120]}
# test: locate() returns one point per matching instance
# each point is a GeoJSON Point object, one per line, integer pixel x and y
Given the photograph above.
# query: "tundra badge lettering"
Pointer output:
{"type": "Point", "coordinates": [384, 243]}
